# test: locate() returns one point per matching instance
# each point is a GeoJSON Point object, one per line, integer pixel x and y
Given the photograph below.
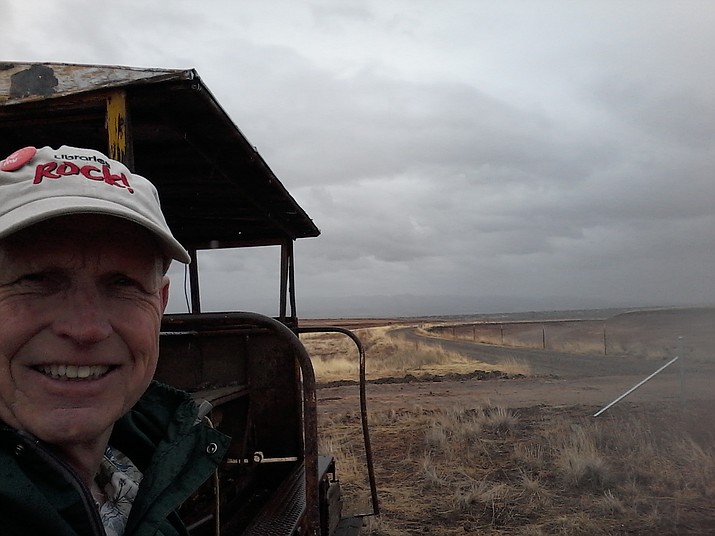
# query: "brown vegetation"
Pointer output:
{"type": "Point", "coordinates": [532, 471]}
{"type": "Point", "coordinates": [646, 468]}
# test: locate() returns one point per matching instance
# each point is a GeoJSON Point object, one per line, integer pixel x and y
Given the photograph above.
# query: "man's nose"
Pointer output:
{"type": "Point", "coordinates": [84, 316]}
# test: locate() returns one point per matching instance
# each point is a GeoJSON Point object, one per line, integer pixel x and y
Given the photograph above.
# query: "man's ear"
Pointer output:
{"type": "Point", "coordinates": [164, 292]}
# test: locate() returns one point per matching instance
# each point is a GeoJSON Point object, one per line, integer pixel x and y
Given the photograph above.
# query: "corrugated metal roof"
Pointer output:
{"type": "Point", "coordinates": [215, 188]}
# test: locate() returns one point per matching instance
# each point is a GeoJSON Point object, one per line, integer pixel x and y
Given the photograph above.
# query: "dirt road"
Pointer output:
{"type": "Point", "coordinates": [541, 362]}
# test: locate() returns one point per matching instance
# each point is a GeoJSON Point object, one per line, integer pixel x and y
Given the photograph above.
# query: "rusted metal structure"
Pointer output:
{"type": "Point", "coordinates": [216, 192]}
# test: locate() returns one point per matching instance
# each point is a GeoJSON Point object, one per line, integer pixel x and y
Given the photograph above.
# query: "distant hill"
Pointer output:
{"type": "Point", "coordinates": [415, 306]}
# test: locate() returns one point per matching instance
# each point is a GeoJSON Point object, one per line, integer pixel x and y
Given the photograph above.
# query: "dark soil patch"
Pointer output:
{"type": "Point", "coordinates": [481, 375]}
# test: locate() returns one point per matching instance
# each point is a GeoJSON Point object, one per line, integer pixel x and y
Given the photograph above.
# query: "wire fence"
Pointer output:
{"type": "Point", "coordinates": [652, 334]}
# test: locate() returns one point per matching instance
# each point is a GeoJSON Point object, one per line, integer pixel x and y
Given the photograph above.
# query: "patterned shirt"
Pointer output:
{"type": "Point", "coordinates": [119, 479]}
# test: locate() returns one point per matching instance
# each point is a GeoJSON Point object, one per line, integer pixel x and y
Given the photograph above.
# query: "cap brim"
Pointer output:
{"type": "Point", "coordinates": [53, 207]}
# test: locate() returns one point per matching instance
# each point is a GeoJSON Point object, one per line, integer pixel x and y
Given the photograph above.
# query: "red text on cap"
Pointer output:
{"type": "Point", "coordinates": [53, 170]}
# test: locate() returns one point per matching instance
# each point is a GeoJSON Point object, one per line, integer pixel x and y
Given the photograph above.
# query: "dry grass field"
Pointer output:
{"type": "Point", "coordinates": [468, 466]}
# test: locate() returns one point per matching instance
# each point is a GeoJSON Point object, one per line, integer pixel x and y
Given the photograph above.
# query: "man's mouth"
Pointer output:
{"type": "Point", "coordinates": [74, 372]}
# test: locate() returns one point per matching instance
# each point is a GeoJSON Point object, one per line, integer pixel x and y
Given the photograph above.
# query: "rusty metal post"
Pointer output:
{"type": "Point", "coordinates": [194, 282]}
{"type": "Point", "coordinates": [285, 264]}
{"type": "Point", "coordinates": [287, 282]}
{"type": "Point", "coordinates": [363, 407]}
{"type": "Point", "coordinates": [291, 282]}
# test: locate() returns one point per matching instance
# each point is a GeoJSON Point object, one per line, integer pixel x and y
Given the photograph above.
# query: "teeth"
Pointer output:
{"type": "Point", "coordinates": [73, 372]}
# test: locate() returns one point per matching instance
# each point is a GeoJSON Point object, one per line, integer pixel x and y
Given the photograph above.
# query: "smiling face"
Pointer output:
{"type": "Point", "coordinates": [81, 300]}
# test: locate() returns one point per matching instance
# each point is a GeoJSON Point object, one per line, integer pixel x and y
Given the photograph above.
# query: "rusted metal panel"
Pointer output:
{"type": "Point", "coordinates": [26, 82]}
{"type": "Point", "coordinates": [275, 408]}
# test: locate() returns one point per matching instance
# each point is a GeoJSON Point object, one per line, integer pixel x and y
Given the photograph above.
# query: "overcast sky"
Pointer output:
{"type": "Point", "coordinates": [458, 156]}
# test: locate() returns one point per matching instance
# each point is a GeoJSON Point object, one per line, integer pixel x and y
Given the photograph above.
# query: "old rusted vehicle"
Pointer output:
{"type": "Point", "coordinates": [217, 192]}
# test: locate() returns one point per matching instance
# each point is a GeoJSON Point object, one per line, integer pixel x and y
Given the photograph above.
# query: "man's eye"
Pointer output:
{"type": "Point", "coordinates": [124, 281]}
{"type": "Point", "coordinates": [39, 277]}
{"type": "Point", "coordinates": [39, 280]}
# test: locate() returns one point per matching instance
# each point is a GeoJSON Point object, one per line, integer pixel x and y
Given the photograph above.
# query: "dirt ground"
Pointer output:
{"type": "Point", "coordinates": [571, 385]}
{"type": "Point", "coordinates": [594, 393]}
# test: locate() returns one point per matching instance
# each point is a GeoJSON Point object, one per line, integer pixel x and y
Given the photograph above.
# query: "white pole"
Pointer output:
{"type": "Point", "coordinates": [624, 395]}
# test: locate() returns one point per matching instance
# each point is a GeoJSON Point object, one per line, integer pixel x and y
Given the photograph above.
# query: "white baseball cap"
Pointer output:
{"type": "Point", "coordinates": [40, 184]}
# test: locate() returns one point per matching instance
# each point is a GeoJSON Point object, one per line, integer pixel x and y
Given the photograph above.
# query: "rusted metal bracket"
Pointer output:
{"type": "Point", "coordinates": [258, 457]}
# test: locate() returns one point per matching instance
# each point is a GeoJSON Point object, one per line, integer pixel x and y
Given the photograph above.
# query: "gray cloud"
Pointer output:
{"type": "Point", "coordinates": [525, 150]}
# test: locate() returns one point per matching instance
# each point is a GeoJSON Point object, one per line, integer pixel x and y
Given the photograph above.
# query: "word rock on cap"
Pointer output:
{"type": "Point", "coordinates": [40, 184]}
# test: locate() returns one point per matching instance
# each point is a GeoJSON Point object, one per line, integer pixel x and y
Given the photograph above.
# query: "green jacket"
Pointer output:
{"type": "Point", "coordinates": [41, 496]}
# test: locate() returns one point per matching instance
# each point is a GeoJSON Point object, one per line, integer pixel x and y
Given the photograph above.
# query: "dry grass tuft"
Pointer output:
{"type": "Point", "coordinates": [500, 420]}
{"type": "Point", "coordinates": [611, 504]}
{"type": "Point", "coordinates": [433, 476]}
{"type": "Point", "coordinates": [581, 463]}
{"type": "Point", "coordinates": [341, 449]}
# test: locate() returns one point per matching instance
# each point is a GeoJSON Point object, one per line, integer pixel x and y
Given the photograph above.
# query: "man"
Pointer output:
{"type": "Point", "coordinates": [88, 444]}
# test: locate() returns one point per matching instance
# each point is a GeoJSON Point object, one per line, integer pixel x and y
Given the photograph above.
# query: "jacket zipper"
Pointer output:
{"type": "Point", "coordinates": [69, 474]}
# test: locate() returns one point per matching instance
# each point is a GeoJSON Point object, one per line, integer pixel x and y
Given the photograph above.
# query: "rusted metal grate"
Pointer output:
{"type": "Point", "coordinates": [281, 515]}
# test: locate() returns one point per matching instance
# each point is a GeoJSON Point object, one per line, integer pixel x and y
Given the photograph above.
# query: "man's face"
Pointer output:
{"type": "Point", "coordinates": [81, 300]}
